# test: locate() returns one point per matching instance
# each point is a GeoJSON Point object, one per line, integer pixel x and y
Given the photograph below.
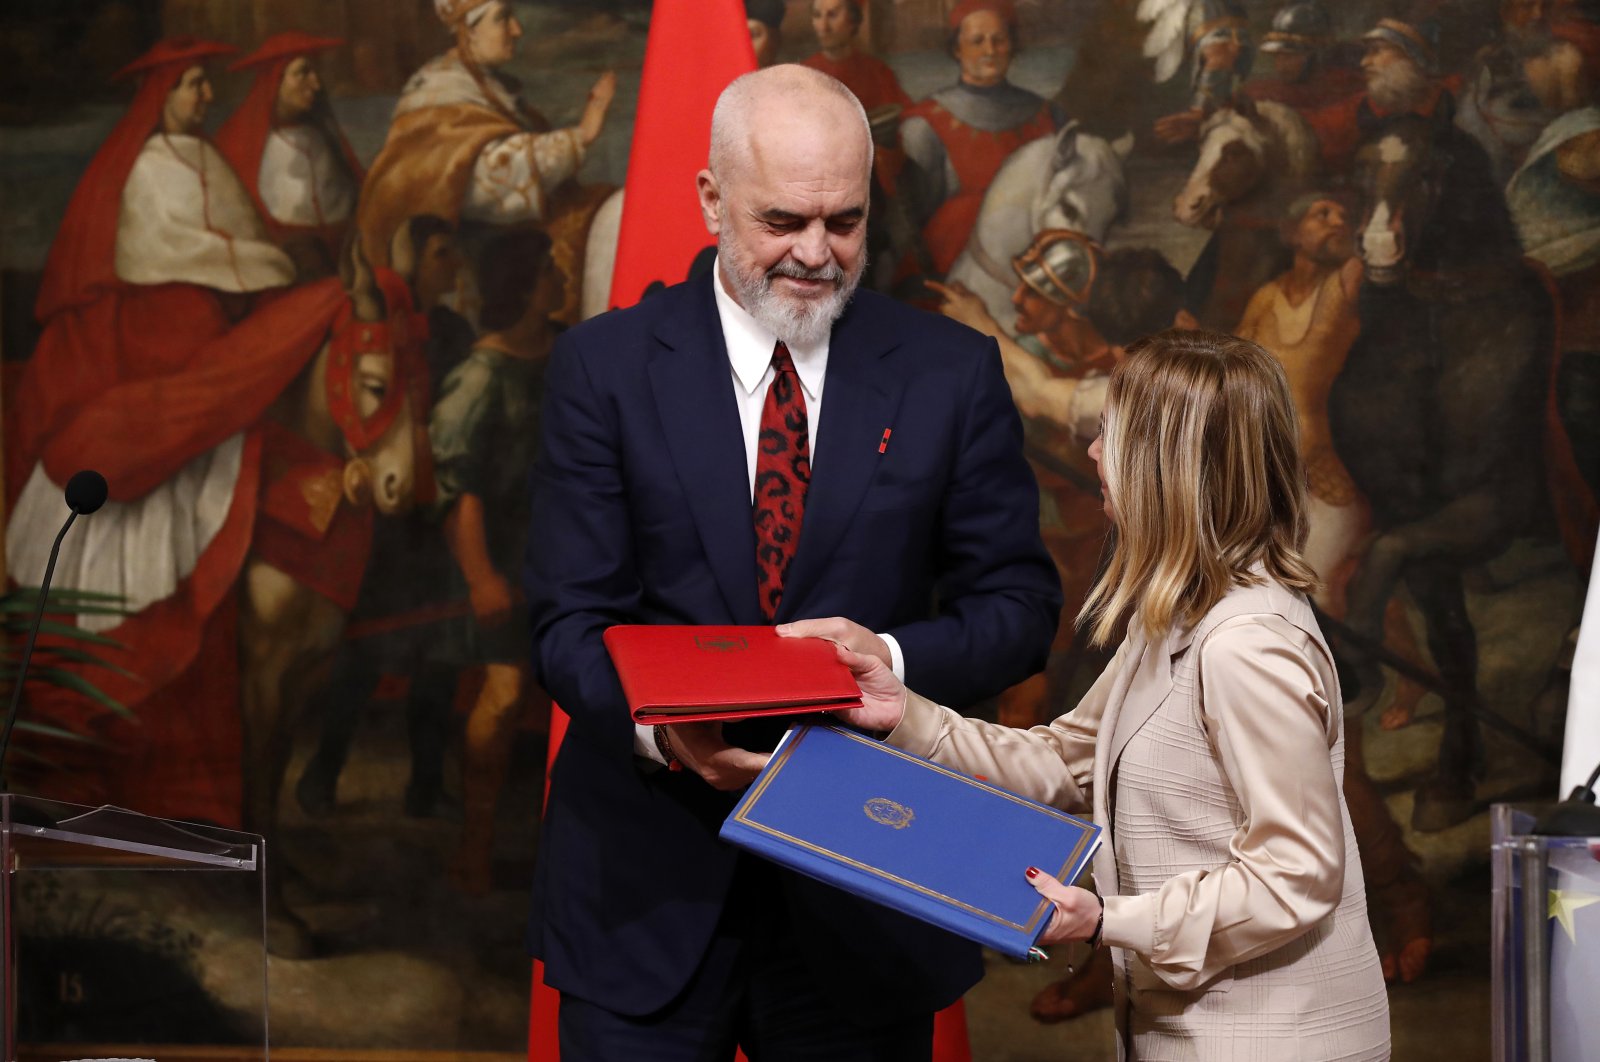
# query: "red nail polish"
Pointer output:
{"type": "Point", "coordinates": [1033, 872]}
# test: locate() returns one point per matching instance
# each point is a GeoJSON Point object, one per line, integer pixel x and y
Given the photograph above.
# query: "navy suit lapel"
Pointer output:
{"type": "Point", "coordinates": [693, 388]}
{"type": "Point", "coordinates": [859, 400]}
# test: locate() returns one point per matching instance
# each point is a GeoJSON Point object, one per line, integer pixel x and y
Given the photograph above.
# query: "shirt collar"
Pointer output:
{"type": "Point", "coordinates": [750, 344]}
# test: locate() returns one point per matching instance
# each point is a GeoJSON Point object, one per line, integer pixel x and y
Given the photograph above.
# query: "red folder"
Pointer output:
{"type": "Point", "coordinates": [685, 674]}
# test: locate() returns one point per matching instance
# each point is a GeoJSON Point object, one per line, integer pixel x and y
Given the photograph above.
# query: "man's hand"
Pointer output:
{"type": "Point", "coordinates": [594, 112]}
{"type": "Point", "coordinates": [1077, 911]}
{"type": "Point", "coordinates": [1180, 128]}
{"type": "Point", "coordinates": [491, 598]}
{"type": "Point", "coordinates": [852, 636]}
{"type": "Point", "coordinates": [699, 746]}
{"type": "Point", "coordinates": [960, 304]}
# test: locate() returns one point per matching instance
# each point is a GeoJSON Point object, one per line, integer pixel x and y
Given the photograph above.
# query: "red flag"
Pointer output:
{"type": "Point", "coordinates": [696, 47]}
{"type": "Point", "coordinates": [543, 1043]}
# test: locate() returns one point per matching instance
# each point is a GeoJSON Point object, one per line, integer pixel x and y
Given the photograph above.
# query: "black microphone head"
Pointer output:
{"type": "Point", "coordinates": [86, 492]}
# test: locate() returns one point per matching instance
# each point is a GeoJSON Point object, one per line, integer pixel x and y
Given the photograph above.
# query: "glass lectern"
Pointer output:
{"type": "Point", "coordinates": [128, 936]}
{"type": "Point", "coordinates": [1546, 941]}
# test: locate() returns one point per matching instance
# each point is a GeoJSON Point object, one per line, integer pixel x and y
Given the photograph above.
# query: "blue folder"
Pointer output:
{"type": "Point", "coordinates": [912, 835]}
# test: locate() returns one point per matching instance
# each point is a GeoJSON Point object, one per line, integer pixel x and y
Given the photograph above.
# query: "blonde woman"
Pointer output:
{"type": "Point", "coordinates": [1212, 748]}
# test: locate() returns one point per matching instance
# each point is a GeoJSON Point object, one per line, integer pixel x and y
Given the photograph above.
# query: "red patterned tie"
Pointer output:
{"type": "Point", "coordinates": [783, 471]}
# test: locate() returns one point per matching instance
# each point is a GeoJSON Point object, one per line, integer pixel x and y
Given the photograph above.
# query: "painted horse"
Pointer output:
{"type": "Point", "coordinates": [1439, 413]}
{"type": "Point", "coordinates": [339, 443]}
{"type": "Point", "coordinates": [1071, 180]}
{"type": "Point", "coordinates": [1254, 157]}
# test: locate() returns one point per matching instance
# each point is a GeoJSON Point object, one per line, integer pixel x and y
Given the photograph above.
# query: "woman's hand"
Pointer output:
{"type": "Point", "coordinates": [1078, 911]}
{"type": "Point", "coordinates": [883, 697]}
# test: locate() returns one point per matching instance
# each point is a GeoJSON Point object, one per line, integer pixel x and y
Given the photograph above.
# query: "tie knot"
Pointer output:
{"type": "Point", "coordinates": [781, 361]}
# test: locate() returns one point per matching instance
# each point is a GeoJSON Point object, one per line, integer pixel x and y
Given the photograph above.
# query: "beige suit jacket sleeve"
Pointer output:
{"type": "Point", "coordinates": [1269, 703]}
{"type": "Point", "coordinates": [1052, 764]}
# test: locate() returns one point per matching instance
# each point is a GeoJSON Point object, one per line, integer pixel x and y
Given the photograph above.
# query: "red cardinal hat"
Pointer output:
{"type": "Point", "coordinates": [174, 50]}
{"type": "Point", "coordinates": [287, 45]}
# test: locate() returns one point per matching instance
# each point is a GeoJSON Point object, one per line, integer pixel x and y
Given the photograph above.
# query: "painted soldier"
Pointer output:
{"type": "Point", "coordinates": [1219, 39]}
{"type": "Point", "coordinates": [1306, 69]}
{"type": "Point", "coordinates": [1401, 71]}
{"type": "Point", "coordinates": [1077, 307]}
{"type": "Point", "coordinates": [957, 139]}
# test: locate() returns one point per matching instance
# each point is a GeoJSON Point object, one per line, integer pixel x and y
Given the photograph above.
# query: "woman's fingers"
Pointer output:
{"type": "Point", "coordinates": [1077, 911]}
{"type": "Point", "coordinates": [1047, 886]}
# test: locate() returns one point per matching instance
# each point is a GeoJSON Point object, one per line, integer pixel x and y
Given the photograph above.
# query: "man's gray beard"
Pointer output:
{"type": "Point", "coordinates": [796, 322]}
{"type": "Point", "coordinates": [1398, 88]}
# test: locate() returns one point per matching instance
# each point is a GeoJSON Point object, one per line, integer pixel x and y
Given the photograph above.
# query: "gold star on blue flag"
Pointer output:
{"type": "Point", "coordinates": [1563, 903]}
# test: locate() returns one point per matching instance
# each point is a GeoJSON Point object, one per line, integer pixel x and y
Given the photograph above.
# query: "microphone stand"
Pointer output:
{"type": "Point", "coordinates": [27, 649]}
{"type": "Point", "coordinates": [86, 492]}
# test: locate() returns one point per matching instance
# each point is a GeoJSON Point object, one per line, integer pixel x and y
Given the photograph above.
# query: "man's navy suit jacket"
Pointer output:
{"type": "Point", "coordinates": [642, 514]}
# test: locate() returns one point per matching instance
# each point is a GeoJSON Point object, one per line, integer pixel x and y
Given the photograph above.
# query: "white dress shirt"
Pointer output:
{"type": "Point", "coordinates": [1582, 748]}
{"type": "Point", "coordinates": [750, 346]}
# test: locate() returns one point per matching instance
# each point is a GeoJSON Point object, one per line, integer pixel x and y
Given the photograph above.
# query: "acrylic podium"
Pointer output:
{"type": "Point", "coordinates": [1545, 940]}
{"type": "Point", "coordinates": [127, 936]}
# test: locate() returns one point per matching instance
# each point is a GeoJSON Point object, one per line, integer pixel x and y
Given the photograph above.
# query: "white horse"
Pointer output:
{"type": "Point", "coordinates": [1071, 180]}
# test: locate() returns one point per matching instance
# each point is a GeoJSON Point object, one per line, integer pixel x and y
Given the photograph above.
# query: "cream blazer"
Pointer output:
{"type": "Point", "coordinates": [1234, 902]}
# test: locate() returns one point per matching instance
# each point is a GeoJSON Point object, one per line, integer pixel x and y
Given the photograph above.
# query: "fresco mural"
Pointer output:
{"type": "Point", "coordinates": [286, 272]}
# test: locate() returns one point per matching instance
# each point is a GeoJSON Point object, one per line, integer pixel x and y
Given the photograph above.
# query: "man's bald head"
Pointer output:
{"type": "Point", "coordinates": [786, 197]}
{"type": "Point", "coordinates": [786, 106]}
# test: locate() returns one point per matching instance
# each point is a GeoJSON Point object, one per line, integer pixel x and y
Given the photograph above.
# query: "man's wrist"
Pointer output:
{"type": "Point", "coordinates": [664, 746]}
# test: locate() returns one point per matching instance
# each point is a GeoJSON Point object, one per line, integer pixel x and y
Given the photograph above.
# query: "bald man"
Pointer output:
{"type": "Point", "coordinates": [888, 498]}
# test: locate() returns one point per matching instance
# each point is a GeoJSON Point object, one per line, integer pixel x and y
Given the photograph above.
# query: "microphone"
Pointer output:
{"type": "Point", "coordinates": [1575, 816]}
{"type": "Point", "coordinates": [86, 492]}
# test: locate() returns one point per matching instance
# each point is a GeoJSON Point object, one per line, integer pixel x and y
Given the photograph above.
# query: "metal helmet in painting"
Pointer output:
{"type": "Point", "coordinates": [1060, 265]}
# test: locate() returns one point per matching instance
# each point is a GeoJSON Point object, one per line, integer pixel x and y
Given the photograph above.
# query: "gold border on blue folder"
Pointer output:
{"type": "Point", "coordinates": [781, 758]}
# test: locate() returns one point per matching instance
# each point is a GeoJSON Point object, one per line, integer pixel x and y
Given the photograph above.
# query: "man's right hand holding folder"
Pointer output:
{"type": "Point", "coordinates": [700, 747]}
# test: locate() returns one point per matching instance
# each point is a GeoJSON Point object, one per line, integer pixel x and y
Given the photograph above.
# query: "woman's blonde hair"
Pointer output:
{"type": "Point", "coordinates": [1201, 458]}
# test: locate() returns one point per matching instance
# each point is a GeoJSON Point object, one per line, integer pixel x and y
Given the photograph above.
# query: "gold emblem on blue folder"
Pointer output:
{"type": "Point", "coordinates": [888, 812]}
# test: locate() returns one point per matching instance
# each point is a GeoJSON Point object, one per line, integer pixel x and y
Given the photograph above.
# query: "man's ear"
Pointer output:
{"type": "Point", "coordinates": [710, 194]}
{"type": "Point", "coordinates": [1185, 319]}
